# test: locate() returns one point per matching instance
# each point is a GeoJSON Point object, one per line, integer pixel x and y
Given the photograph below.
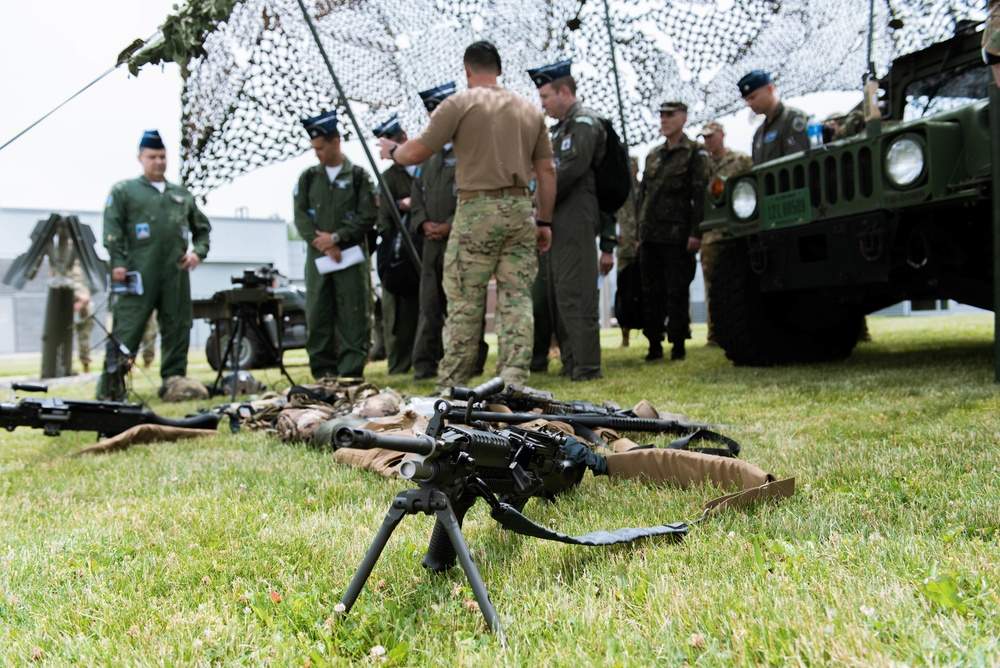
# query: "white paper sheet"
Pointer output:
{"type": "Point", "coordinates": [348, 258]}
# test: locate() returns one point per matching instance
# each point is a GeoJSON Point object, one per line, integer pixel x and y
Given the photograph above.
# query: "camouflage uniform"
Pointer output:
{"type": "Point", "coordinates": [498, 137]}
{"type": "Point", "coordinates": [851, 125]}
{"type": "Point", "coordinates": [991, 34]}
{"type": "Point", "coordinates": [148, 344]}
{"type": "Point", "coordinates": [671, 207]}
{"type": "Point", "coordinates": [731, 164]}
{"type": "Point", "coordinates": [83, 321]}
{"type": "Point", "coordinates": [433, 198]}
{"type": "Point", "coordinates": [627, 248]}
{"type": "Point", "coordinates": [490, 236]}
{"type": "Point", "coordinates": [578, 145]}
{"type": "Point", "coordinates": [399, 312]}
{"type": "Point", "coordinates": [782, 135]}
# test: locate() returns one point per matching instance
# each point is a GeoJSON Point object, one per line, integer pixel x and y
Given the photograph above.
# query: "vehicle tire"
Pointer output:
{"type": "Point", "coordinates": [249, 354]}
{"type": "Point", "coordinates": [766, 329]}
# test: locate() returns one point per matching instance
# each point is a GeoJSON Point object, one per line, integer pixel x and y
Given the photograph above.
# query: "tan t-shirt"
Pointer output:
{"type": "Point", "coordinates": [497, 134]}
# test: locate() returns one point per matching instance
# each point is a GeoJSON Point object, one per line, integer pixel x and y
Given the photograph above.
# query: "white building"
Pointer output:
{"type": "Point", "coordinates": [237, 243]}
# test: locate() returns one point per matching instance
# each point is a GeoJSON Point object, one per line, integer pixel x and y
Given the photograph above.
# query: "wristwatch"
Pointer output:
{"type": "Point", "coordinates": [392, 152]}
{"type": "Point", "coordinates": [335, 238]}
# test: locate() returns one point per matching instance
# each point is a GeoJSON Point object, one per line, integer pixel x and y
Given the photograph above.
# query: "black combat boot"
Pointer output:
{"type": "Point", "coordinates": [655, 351]}
{"type": "Point", "coordinates": [678, 353]}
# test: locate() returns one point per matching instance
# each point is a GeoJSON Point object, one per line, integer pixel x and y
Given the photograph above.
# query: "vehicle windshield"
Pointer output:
{"type": "Point", "coordinates": [950, 89]}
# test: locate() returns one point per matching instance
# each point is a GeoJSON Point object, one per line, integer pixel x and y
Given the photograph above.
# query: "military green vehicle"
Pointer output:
{"type": "Point", "coordinates": [901, 211]}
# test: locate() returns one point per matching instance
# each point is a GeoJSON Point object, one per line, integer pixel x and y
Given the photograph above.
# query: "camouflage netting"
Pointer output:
{"type": "Point", "coordinates": [260, 71]}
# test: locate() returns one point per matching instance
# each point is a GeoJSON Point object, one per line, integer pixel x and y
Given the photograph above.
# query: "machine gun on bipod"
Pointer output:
{"type": "Point", "coordinates": [107, 418]}
{"type": "Point", "coordinates": [454, 466]}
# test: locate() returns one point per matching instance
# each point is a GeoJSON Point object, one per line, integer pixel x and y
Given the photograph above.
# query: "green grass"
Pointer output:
{"type": "Point", "coordinates": [174, 554]}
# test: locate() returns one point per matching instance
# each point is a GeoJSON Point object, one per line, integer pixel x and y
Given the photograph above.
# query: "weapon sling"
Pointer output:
{"type": "Point", "coordinates": [675, 466]}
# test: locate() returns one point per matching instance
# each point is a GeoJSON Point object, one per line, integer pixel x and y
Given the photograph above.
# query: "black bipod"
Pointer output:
{"type": "Point", "coordinates": [430, 502]}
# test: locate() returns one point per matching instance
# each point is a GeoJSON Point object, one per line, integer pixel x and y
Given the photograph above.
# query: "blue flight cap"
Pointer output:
{"type": "Point", "coordinates": [435, 96]}
{"type": "Point", "coordinates": [753, 81]}
{"type": "Point", "coordinates": [549, 73]}
{"type": "Point", "coordinates": [322, 125]}
{"type": "Point", "coordinates": [391, 128]}
{"type": "Point", "coordinates": [151, 139]}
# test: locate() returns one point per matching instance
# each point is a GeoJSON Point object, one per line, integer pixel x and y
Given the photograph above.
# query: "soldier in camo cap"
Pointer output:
{"type": "Point", "coordinates": [721, 161]}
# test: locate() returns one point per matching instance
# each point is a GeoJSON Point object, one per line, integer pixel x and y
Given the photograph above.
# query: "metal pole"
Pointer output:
{"type": "Point", "coordinates": [871, 35]}
{"type": "Point", "coordinates": [995, 162]}
{"type": "Point", "coordinates": [411, 250]}
{"type": "Point", "coordinates": [621, 107]}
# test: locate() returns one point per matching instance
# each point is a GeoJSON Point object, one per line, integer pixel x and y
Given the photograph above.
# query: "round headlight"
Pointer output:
{"type": "Point", "coordinates": [744, 199]}
{"type": "Point", "coordinates": [904, 162]}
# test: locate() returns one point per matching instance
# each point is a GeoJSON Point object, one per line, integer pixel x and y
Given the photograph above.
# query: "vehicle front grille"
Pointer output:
{"type": "Point", "coordinates": [844, 177]}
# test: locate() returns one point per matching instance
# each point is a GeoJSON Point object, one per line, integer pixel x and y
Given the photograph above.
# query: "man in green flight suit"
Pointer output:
{"type": "Point", "coordinates": [434, 198]}
{"type": "Point", "coordinates": [334, 205]}
{"type": "Point", "coordinates": [155, 228]}
{"type": "Point", "coordinates": [400, 304]}
{"type": "Point", "coordinates": [671, 207]}
{"type": "Point", "coordinates": [784, 130]}
{"type": "Point", "coordinates": [578, 145]}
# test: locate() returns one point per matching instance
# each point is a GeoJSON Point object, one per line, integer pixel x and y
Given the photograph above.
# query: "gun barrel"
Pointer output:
{"type": "Point", "coordinates": [492, 386]}
{"type": "Point", "coordinates": [365, 439]}
{"type": "Point", "coordinates": [623, 423]}
{"type": "Point", "coordinates": [204, 421]}
{"type": "Point", "coordinates": [29, 387]}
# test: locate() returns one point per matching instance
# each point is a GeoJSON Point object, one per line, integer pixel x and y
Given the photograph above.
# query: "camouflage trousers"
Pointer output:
{"type": "Point", "coordinates": [83, 322]}
{"type": "Point", "coordinates": [709, 255]}
{"type": "Point", "coordinates": [489, 237]}
{"type": "Point", "coordinates": [148, 343]}
{"type": "Point", "coordinates": [991, 34]}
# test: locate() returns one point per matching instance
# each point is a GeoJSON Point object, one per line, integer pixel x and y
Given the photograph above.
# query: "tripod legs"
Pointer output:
{"type": "Point", "coordinates": [411, 502]}
{"type": "Point", "coordinates": [246, 322]}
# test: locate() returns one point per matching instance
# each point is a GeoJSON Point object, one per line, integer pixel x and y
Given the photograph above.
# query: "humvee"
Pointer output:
{"type": "Point", "coordinates": [902, 211]}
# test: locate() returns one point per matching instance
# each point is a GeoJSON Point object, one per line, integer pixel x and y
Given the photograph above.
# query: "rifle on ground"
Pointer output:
{"type": "Point", "coordinates": [522, 399]}
{"type": "Point", "coordinates": [454, 466]}
{"type": "Point", "coordinates": [107, 418]}
{"type": "Point", "coordinates": [582, 415]}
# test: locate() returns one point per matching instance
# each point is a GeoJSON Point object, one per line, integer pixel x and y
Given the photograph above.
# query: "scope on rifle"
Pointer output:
{"type": "Point", "coordinates": [264, 276]}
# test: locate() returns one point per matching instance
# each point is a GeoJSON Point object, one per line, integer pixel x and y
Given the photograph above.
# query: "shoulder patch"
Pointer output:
{"type": "Point", "coordinates": [585, 119]}
{"type": "Point", "coordinates": [110, 202]}
{"type": "Point", "coordinates": [799, 124]}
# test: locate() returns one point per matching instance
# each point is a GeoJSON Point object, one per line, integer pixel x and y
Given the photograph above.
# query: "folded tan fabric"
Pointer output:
{"type": "Point", "coordinates": [684, 469]}
{"type": "Point", "coordinates": [141, 434]}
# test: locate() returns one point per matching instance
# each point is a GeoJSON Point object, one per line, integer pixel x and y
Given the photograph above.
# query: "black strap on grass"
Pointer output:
{"type": "Point", "coordinates": [510, 519]}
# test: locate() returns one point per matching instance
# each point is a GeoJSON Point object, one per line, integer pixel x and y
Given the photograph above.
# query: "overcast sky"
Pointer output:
{"type": "Point", "coordinates": [50, 50]}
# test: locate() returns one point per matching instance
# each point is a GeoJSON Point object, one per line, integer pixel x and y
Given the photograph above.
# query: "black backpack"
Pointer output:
{"type": "Point", "coordinates": [614, 173]}
{"type": "Point", "coordinates": [395, 269]}
{"type": "Point", "coordinates": [628, 297]}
